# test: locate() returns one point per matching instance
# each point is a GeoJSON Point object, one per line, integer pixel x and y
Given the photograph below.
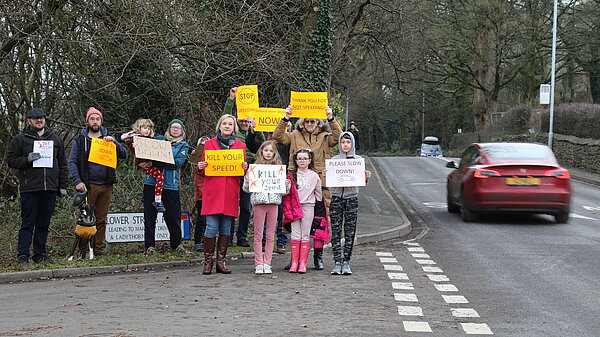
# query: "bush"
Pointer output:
{"type": "Point", "coordinates": [515, 121]}
{"type": "Point", "coordinates": [575, 119]}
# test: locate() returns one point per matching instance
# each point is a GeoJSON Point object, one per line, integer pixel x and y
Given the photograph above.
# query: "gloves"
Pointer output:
{"type": "Point", "coordinates": [62, 193]}
{"type": "Point", "coordinates": [33, 156]}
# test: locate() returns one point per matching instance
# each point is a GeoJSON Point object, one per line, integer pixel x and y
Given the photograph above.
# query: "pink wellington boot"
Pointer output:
{"type": "Point", "coordinates": [295, 249]}
{"type": "Point", "coordinates": [304, 251]}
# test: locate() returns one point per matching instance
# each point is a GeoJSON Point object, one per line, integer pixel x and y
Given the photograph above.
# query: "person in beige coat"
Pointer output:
{"type": "Point", "coordinates": [318, 136]}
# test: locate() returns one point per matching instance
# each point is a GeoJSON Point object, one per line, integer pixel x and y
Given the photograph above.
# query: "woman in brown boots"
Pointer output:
{"type": "Point", "coordinates": [220, 206]}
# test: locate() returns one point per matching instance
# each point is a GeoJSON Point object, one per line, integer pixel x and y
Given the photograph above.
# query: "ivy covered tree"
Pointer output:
{"type": "Point", "coordinates": [316, 64]}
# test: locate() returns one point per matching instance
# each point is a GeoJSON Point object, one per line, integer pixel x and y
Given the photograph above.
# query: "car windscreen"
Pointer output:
{"type": "Point", "coordinates": [516, 151]}
{"type": "Point", "coordinates": [430, 147]}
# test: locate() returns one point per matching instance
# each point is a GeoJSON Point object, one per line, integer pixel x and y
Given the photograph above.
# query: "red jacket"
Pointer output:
{"type": "Point", "coordinates": [221, 195]}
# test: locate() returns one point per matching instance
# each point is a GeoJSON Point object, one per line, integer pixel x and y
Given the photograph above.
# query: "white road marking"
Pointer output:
{"type": "Point", "coordinates": [420, 256]}
{"type": "Point", "coordinates": [464, 312]}
{"type": "Point", "coordinates": [407, 310]}
{"type": "Point", "coordinates": [425, 262]}
{"type": "Point", "coordinates": [398, 276]}
{"type": "Point", "coordinates": [591, 208]}
{"type": "Point", "coordinates": [383, 254]}
{"type": "Point", "coordinates": [415, 249]}
{"type": "Point", "coordinates": [476, 329]}
{"type": "Point", "coordinates": [388, 260]}
{"type": "Point", "coordinates": [432, 269]}
{"type": "Point", "coordinates": [411, 243]}
{"type": "Point", "coordinates": [403, 286]}
{"type": "Point", "coordinates": [445, 287]}
{"type": "Point", "coordinates": [416, 326]}
{"type": "Point", "coordinates": [573, 215]}
{"type": "Point", "coordinates": [453, 299]}
{"type": "Point", "coordinates": [419, 184]}
{"type": "Point", "coordinates": [394, 267]}
{"type": "Point", "coordinates": [406, 297]}
{"type": "Point", "coordinates": [435, 204]}
{"type": "Point", "coordinates": [438, 278]}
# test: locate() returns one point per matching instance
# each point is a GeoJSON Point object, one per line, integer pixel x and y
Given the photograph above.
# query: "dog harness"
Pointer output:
{"type": "Point", "coordinates": [85, 231]}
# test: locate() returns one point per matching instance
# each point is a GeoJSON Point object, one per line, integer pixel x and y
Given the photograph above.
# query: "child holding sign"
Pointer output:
{"type": "Point", "coordinates": [344, 208]}
{"type": "Point", "coordinates": [145, 128]}
{"type": "Point", "coordinates": [308, 183]}
{"type": "Point", "coordinates": [265, 207]}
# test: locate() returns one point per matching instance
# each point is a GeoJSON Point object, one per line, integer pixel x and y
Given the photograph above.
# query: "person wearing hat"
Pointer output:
{"type": "Point", "coordinates": [39, 155]}
{"type": "Point", "coordinates": [96, 179]}
{"type": "Point", "coordinates": [176, 136]}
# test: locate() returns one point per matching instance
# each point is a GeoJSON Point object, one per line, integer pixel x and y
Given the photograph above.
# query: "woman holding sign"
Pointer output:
{"type": "Point", "coordinates": [319, 137]}
{"type": "Point", "coordinates": [223, 162]}
{"type": "Point", "coordinates": [170, 197]}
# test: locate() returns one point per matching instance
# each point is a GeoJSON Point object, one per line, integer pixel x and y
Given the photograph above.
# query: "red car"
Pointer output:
{"type": "Point", "coordinates": [508, 177]}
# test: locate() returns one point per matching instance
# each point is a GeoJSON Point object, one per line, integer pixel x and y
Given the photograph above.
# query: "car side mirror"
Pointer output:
{"type": "Point", "coordinates": [451, 164]}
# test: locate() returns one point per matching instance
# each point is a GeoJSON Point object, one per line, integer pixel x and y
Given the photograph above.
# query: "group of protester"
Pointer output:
{"type": "Point", "coordinates": [219, 199]}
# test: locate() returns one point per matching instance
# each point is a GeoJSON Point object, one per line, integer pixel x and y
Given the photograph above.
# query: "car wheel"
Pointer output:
{"type": "Point", "coordinates": [465, 212]}
{"type": "Point", "coordinates": [452, 208]}
{"type": "Point", "coordinates": [562, 217]}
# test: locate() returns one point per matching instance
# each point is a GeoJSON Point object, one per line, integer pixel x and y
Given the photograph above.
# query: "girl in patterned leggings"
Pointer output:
{"type": "Point", "coordinates": [145, 128]}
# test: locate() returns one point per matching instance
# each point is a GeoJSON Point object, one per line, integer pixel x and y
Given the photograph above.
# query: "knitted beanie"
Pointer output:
{"type": "Point", "coordinates": [92, 111]}
{"type": "Point", "coordinates": [178, 121]}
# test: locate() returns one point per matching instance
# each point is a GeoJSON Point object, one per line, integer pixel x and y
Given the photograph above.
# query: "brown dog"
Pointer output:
{"type": "Point", "coordinates": [85, 232]}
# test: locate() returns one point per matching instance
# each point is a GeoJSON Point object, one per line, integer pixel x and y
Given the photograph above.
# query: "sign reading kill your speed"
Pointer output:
{"type": "Point", "coordinates": [103, 152]}
{"type": "Point", "coordinates": [224, 162]}
{"type": "Point", "coordinates": [153, 149]}
{"type": "Point", "coordinates": [266, 178]}
{"type": "Point", "coordinates": [345, 172]}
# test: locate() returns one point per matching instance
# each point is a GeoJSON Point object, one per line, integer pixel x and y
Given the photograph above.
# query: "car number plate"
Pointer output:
{"type": "Point", "coordinates": [516, 181]}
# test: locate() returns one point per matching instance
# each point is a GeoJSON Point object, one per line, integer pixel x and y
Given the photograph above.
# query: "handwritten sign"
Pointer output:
{"type": "Point", "coordinates": [153, 149]}
{"type": "Point", "coordinates": [345, 172]}
{"type": "Point", "coordinates": [266, 178]}
{"type": "Point", "coordinates": [46, 149]}
{"type": "Point", "coordinates": [129, 227]}
{"type": "Point", "coordinates": [309, 104]}
{"type": "Point", "coordinates": [246, 100]}
{"type": "Point", "coordinates": [103, 152]}
{"type": "Point", "coordinates": [267, 118]}
{"type": "Point", "coordinates": [224, 162]}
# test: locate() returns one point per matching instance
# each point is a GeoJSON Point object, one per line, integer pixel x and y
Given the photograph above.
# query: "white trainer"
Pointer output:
{"type": "Point", "coordinates": [259, 269]}
{"type": "Point", "coordinates": [267, 269]}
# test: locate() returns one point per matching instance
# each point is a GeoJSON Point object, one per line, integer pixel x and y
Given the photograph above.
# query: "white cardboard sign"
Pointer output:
{"type": "Point", "coordinates": [345, 172]}
{"type": "Point", "coordinates": [46, 149]}
{"type": "Point", "coordinates": [266, 178]}
{"type": "Point", "coordinates": [153, 149]}
{"type": "Point", "coordinates": [129, 227]}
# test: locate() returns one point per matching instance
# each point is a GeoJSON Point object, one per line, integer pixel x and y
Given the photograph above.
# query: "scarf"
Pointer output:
{"type": "Point", "coordinates": [225, 143]}
{"type": "Point", "coordinates": [174, 140]}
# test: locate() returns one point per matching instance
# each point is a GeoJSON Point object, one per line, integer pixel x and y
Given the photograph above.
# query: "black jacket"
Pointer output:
{"type": "Point", "coordinates": [34, 179]}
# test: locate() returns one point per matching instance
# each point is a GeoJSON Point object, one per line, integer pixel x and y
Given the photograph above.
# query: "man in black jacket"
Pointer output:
{"type": "Point", "coordinates": [39, 155]}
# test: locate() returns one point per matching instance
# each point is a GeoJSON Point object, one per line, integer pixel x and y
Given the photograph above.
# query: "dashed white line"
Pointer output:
{"type": "Point", "coordinates": [464, 312]}
{"type": "Point", "coordinates": [432, 269]}
{"type": "Point", "coordinates": [398, 276]}
{"type": "Point", "coordinates": [406, 310]}
{"type": "Point", "coordinates": [425, 261]}
{"type": "Point", "coordinates": [383, 254]}
{"type": "Point", "coordinates": [403, 285]}
{"type": "Point", "coordinates": [453, 299]}
{"type": "Point", "coordinates": [420, 256]}
{"type": "Point", "coordinates": [416, 326]}
{"type": "Point", "coordinates": [476, 328]}
{"type": "Point", "coordinates": [406, 297]}
{"type": "Point", "coordinates": [445, 287]}
{"type": "Point", "coordinates": [388, 260]}
{"type": "Point", "coordinates": [416, 249]}
{"type": "Point", "coordinates": [394, 267]}
{"type": "Point", "coordinates": [411, 244]}
{"type": "Point", "coordinates": [438, 278]}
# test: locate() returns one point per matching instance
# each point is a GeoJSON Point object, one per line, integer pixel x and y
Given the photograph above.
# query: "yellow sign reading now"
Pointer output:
{"type": "Point", "coordinates": [309, 104]}
{"type": "Point", "coordinates": [103, 152]}
{"type": "Point", "coordinates": [246, 100]}
{"type": "Point", "coordinates": [224, 162]}
{"type": "Point", "coordinates": [267, 118]}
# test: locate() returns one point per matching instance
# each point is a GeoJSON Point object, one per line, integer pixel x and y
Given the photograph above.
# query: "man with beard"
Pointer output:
{"type": "Point", "coordinates": [96, 179]}
{"type": "Point", "coordinates": [39, 155]}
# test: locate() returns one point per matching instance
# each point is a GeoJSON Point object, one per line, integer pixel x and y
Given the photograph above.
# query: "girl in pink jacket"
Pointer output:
{"type": "Point", "coordinates": [308, 183]}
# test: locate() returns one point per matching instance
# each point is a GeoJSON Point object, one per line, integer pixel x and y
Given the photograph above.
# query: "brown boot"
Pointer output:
{"type": "Point", "coordinates": [222, 245]}
{"type": "Point", "coordinates": [209, 252]}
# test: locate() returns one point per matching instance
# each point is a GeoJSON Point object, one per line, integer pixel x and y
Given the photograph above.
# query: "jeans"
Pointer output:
{"type": "Point", "coordinates": [244, 218]}
{"type": "Point", "coordinates": [218, 224]}
{"type": "Point", "coordinates": [36, 210]}
{"type": "Point", "coordinates": [172, 216]}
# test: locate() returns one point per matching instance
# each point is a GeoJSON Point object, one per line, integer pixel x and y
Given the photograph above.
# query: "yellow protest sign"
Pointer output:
{"type": "Point", "coordinates": [267, 118]}
{"type": "Point", "coordinates": [309, 104]}
{"type": "Point", "coordinates": [224, 162]}
{"type": "Point", "coordinates": [103, 152]}
{"type": "Point", "coordinates": [246, 98]}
